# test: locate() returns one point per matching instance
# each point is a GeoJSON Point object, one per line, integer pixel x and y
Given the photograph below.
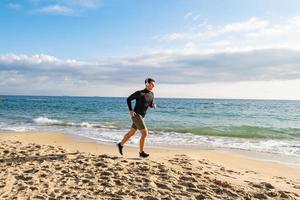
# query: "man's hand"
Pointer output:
{"type": "Point", "coordinates": [154, 106]}
{"type": "Point", "coordinates": [132, 113]}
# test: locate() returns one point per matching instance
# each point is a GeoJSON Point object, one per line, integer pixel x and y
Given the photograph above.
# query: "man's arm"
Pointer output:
{"type": "Point", "coordinates": [130, 98]}
{"type": "Point", "coordinates": [152, 104]}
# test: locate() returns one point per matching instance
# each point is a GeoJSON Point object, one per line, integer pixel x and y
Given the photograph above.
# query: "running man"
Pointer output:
{"type": "Point", "coordinates": [144, 99]}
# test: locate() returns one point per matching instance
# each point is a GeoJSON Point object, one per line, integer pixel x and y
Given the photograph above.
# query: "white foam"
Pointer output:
{"type": "Point", "coordinates": [108, 132]}
{"type": "Point", "coordinates": [47, 121]}
{"type": "Point", "coordinates": [86, 124]}
{"type": "Point", "coordinates": [18, 129]}
{"type": "Point", "coordinates": [108, 126]}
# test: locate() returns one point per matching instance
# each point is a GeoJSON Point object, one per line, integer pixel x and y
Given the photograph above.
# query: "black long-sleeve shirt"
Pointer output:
{"type": "Point", "coordinates": [144, 99]}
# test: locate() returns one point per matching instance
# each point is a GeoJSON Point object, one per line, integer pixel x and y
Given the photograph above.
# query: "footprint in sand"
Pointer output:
{"type": "Point", "coordinates": [150, 198]}
{"type": "Point", "coordinates": [163, 186]}
{"type": "Point", "coordinates": [187, 178]}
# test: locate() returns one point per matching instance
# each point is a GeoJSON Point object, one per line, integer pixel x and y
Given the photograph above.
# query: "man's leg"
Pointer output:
{"type": "Point", "coordinates": [144, 133]}
{"type": "Point", "coordinates": [127, 136]}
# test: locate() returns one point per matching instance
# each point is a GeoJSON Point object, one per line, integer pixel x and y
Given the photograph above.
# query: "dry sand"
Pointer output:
{"type": "Point", "coordinates": [57, 166]}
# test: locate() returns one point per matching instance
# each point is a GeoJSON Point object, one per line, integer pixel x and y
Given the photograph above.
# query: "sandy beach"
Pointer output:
{"type": "Point", "coordinates": [58, 166]}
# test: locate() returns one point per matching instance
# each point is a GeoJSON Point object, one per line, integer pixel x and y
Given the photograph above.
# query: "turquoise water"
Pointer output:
{"type": "Point", "coordinates": [258, 125]}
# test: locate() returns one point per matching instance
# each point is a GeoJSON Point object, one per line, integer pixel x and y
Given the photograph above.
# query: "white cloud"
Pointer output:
{"type": "Point", "coordinates": [41, 60]}
{"type": "Point", "coordinates": [56, 10]}
{"type": "Point", "coordinates": [185, 75]}
{"type": "Point", "coordinates": [188, 15]}
{"type": "Point", "coordinates": [173, 36]}
{"type": "Point", "coordinates": [209, 30]}
{"type": "Point", "coordinates": [195, 18]}
{"type": "Point", "coordinates": [287, 28]}
{"type": "Point", "coordinates": [83, 3]}
{"type": "Point", "coordinates": [58, 7]}
{"type": "Point", "coordinates": [189, 45]}
{"type": "Point", "coordinates": [257, 65]}
{"type": "Point", "coordinates": [253, 33]}
{"type": "Point", "coordinates": [283, 89]}
{"type": "Point", "coordinates": [222, 43]}
{"type": "Point", "coordinates": [11, 77]}
{"type": "Point", "coordinates": [252, 24]}
{"type": "Point", "coordinates": [14, 6]}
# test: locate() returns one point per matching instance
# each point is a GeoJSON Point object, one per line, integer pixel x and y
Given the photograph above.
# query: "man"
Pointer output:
{"type": "Point", "coordinates": [144, 99]}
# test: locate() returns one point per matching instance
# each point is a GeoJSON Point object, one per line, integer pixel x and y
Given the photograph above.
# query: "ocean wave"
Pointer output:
{"type": "Point", "coordinates": [29, 99]}
{"type": "Point", "coordinates": [283, 146]}
{"type": "Point", "coordinates": [244, 131]}
{"type": "Point", "coordinates": [47, 121]}
{"type": "Point", "coordinates": [44, 121]}
{"type": "Point", "coordinates": [17, 129]}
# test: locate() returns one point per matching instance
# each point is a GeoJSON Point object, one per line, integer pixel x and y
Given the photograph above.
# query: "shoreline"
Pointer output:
{"type": "Point", "coordinates": [256, 178]}
{"type": "Point", "coordinates": [288, 160]}
{"type": "Point", "coordinates": [249, 154]}
{"type": "Point", "coordinates": [91, 146]}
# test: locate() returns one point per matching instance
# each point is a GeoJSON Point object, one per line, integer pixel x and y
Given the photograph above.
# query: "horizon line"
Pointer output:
{"type": "Point", "coordinates": [204, 98]}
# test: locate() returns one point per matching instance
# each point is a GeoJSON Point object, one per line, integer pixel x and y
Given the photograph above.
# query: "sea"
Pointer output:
{"type": "Point", "coordinates": [269, 127]}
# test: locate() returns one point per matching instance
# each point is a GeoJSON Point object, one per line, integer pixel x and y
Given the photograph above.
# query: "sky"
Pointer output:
{"type": "Point", "coordinates": [246, 49]}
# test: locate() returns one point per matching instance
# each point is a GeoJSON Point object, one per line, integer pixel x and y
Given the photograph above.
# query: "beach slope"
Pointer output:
{"type": "Point", "coordinates": [58, 166]}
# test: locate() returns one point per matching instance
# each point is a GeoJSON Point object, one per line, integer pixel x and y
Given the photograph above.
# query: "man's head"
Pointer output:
{"type": "Point", "coordinates": [150, 84]}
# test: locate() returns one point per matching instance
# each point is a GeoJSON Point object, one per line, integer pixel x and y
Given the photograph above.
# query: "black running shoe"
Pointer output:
{"type": "Point", "coordinates": [120, 148]}
{"type": "Point", "coordinates": [143, 154]}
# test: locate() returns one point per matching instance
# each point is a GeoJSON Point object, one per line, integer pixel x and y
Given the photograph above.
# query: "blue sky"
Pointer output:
{"type": "Point", "coordinates": [193, 48]}
{"type": "Point", "coordinates": [116, 27]}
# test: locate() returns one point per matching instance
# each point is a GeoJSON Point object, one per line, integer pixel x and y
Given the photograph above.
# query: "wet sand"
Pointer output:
{"type": "Point", "coordinates": [58, 166]}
